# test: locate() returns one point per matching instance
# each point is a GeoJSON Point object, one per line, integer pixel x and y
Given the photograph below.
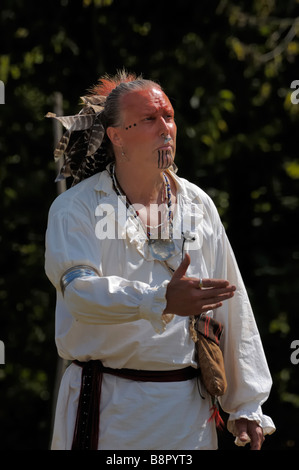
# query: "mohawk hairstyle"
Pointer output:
{"type": "Point", "coordinates": [107, 83]}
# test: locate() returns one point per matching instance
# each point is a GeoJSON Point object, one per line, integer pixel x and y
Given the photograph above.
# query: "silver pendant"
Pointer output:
{"type": "Point", "coordinates": [161, 249]}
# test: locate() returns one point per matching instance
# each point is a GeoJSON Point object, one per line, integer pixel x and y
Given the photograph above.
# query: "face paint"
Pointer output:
{"type": "Point", "coordinates": [164, 159]}
{"type": "Point", "coordinates": [149, 115]}
{"type": "Point", "coordinates": [130, 126]}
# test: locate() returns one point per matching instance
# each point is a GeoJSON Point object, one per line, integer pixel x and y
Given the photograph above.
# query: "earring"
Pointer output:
{"type": "Point", "coordinates": [123, 155]}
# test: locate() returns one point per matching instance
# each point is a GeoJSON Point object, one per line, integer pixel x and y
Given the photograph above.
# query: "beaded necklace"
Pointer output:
{"type": "Point", "coordinates": [160, 248]}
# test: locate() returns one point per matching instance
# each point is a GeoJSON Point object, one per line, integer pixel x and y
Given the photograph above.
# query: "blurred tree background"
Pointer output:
{"type": "Point", "coordinates": [227, 67]}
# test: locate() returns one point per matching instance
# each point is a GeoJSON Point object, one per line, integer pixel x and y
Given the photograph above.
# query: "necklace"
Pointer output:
{"type": "Point", "coordinates": [161, 248]}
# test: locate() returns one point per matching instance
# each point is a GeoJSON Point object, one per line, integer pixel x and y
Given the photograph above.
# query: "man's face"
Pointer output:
{"type": "Point", "coordinates": [147, 119]}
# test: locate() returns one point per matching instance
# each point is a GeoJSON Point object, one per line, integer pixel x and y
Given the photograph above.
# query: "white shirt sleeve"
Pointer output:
{"type": "Point", "coordinates": [248, 376]}
{"type": "Point", "coordinates": [71, 241]}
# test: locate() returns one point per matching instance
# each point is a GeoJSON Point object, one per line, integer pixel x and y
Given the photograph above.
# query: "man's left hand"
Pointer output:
{"type": "Point", "coordinates": [250, 430]}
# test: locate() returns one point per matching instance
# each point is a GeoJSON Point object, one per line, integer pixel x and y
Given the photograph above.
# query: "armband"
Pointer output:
{"type": "Point", "coordinates": [75, 272]}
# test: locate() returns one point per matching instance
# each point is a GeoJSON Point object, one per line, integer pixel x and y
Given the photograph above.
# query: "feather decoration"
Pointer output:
{"type": "Point", "coordinates": [95, 137]}
{"type": "Point", "coordinates": [81, 142]}
{"type": "Point", "coordinates": [216, 416]}
{"type": "Point", "coordinates": [96, 102]}
{"type": "Point", "coordinates": [73, 123]}
{"type": "Point", "coordinates": [62, 145]}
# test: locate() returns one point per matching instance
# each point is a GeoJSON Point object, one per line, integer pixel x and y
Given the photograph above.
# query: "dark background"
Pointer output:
{"type": "Point", "coordinates": [227, 67]}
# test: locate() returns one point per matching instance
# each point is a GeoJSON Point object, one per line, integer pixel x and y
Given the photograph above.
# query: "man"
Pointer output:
{"type": "Point", "coordinates": [134, 252]}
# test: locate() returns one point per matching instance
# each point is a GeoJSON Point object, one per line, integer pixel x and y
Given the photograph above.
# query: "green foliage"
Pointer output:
{"type": "Point", "coordinates": [227, 67]}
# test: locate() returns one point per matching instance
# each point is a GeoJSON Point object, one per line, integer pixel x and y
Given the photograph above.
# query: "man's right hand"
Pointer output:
{"type": "Point", "coordinates": [185, 297]}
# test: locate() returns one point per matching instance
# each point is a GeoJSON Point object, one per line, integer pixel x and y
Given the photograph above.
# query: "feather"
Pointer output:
{"type": "Point", "coordinates": [81, 144]}
{"type": "Point", "coordinates": [62, 145]}
{"type": "Point", "coordinates": [216, 415]}
{"type": "Point", "coordinates": [95, 137]}
{"type": "Point", "coordinates": [97, 109]}
{"type": "Point", "coordinates": [83, 122]}
{"type": "Point", "coordinates": [74, 123]}
{"type": "Point", "coordinates": [94, 100]}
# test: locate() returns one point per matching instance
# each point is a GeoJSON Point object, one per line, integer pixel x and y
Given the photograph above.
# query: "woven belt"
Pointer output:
{"type": "Point", "coordinates": [88, 414]}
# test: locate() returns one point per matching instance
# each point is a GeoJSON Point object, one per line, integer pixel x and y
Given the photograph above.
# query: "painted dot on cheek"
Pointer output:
{"type": "Point", "coordinates": [130, 126]}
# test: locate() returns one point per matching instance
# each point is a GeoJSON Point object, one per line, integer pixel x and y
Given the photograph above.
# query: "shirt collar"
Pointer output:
{"type": "Point", "coordinates": [188, 192]}
{"type": "Point", "coordinates": [188, 201]}
{"type": "Point", "coordinates": [104, 182]}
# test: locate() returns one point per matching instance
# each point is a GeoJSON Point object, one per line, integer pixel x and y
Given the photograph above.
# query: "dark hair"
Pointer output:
{"type": "Point", "coordinates": [112, 109]}
{"type": "Point", "coordinates": [85, 145]}
{"type": "Point", "coordinates": [112, 89]}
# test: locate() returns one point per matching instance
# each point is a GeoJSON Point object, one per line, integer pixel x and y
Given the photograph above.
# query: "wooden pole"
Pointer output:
{"type": "Point", "coordinates": [57, 132]}
{"type": "Point", "coordinates": [61, 187]}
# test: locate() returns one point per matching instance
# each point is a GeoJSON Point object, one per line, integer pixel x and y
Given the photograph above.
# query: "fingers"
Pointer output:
{"type": "Point", "coordinates": [211, 297]}
{"type": "Point", "coordinates": [256, 434]}
{"type": "Point", "coordinates": [208, 307]}
{"type": "Point", "coordinates": [241, 425]}
{"type": "Point", "coordinates": [214, 289]}
{"type": "Point", "coordinates": [205, 284]}
{"type": "Point", "coordinates": [205, 305]}
{"type": "Point", "coordinates": [181, 270]}
{"type": "Point", "coordinates": [250, 431]}
{"type": "Point", "coordinates": [213, 283]}
{"type": "Point", "coordinates": [185, 297]}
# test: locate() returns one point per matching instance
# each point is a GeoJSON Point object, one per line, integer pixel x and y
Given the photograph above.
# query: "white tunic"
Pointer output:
{"type": "Point", "coordinates": [116, 317]}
